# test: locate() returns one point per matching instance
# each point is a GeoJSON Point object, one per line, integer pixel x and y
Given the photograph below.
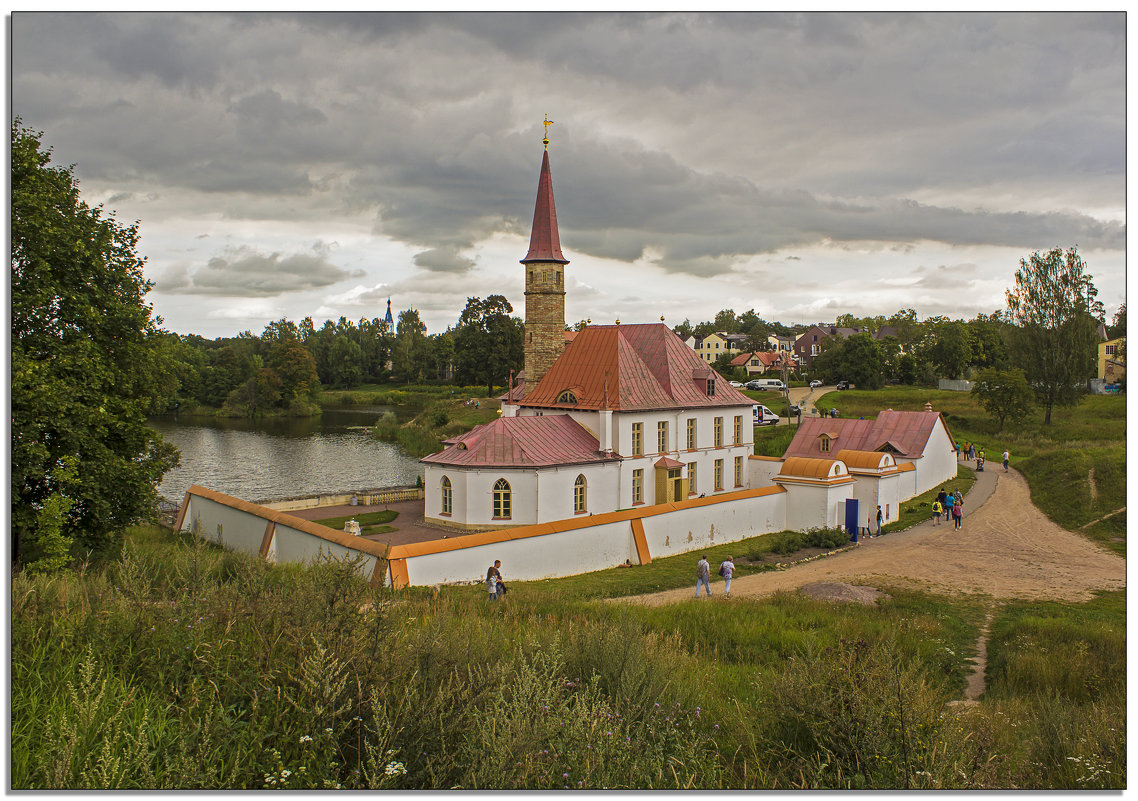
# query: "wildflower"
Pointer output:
{"type": "Point", "coordinates": [305, 738]}
{"type": "Point", "coordinates": [395, 769]}
{"type": "Point", "coordinates": [564, 775]}
{"type": "Point", "coordinates": [717, 725]}
{"type": "Point", "coordinates": [328, 730]}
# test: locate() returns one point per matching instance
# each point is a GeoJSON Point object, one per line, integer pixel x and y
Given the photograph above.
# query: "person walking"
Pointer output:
{"type": "Point", "coordinates": [1006, 456]}
{"type": "Point", "coordinates": [938, 508]}
{"type": "Point", "coordinates": [958, 451]}
{"type": "Point", "coordinates": [957, 515]}
{"type": "Point", "coordinates": [880, 517]}
{"type": "Point", "coordinates": [727, 570]}
{"type": "Point", "coordinates": [493, 577]}
{"type": "Point", "coordinates": [949, 502]}
{"type": "Point", "coordinates": [703, 575]}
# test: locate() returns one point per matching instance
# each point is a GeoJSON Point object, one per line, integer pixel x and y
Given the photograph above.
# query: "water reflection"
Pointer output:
{"type": "Point", "coordinates": [278, 458]}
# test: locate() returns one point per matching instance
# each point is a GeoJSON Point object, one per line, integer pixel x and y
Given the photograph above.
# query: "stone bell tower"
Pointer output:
{"type": "Point", "coordinates": [545, 283]}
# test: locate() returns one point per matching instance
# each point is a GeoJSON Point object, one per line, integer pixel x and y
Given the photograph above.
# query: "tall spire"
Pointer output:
{"type": "Point", "coordinates": [544, 241]}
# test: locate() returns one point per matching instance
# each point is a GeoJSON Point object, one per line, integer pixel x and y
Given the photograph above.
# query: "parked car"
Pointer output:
{"type": "Point", "coordinates": [843, 384]}
{"type": "Point", "coordinates": [815, 383]}
{"type": "Point", "coordinates": [764, 416]}
{"type": "Point", "coordinates": [735, 384]}
{"type": "Point", "coordinates": [763, 384]}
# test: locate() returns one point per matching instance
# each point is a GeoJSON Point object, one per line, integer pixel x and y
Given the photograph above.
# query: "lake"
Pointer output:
{"type": "Point", "coordinates": [284, 457]}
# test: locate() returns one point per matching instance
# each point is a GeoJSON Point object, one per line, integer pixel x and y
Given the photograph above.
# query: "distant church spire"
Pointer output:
{"type": "Point", "coordinates": [388, 321]}
{"type": "Point", "coordinates": [545, 282]}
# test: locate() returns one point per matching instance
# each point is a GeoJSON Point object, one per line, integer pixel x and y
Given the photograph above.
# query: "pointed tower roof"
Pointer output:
{"type": "Point", "coordinates": [544, 242]}
{"type": "Point", "coordinates": [390, 322]}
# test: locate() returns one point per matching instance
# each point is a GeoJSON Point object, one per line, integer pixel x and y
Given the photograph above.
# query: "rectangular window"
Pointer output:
{"type": "Point", "coordinates": [637, 439]}
{"type": "Point", "coordinates": [813, 350]}
{"type": "Point", "coordinates": [718, 474]}
{"type": "Point", "coordinates": [711, 387]}
{"type": "Point", "coordinates": [738, 471]}
{"type": "Point", "coordinates": [638, 486]}
{"type": "Point", "coordinates": [738, 429]}
{"type": "Point", "coordinates": [719, 432]}
{"type": "Point", "coordinates": [825, 444]}
{"type": "Point", "coordinates": [1111, 350]}
{"type": "Point", "coordinates": [691, 478]}
{"type": "Point", "coordinates": [662, 436]}
{"type": "Point", "coordinates": [691, 433]}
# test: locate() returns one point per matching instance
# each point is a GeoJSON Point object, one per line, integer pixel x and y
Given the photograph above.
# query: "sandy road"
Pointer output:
{"type": "Point", "coordinates": [1006, 548]}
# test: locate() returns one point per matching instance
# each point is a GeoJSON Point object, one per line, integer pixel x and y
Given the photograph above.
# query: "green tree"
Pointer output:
{"type": "Point", "coordinates": [409, 347]}
{"type": "Point", "coordinates": [1055, 310]}
{"type": "Point", "coordinates": [82, 365]}
{"type": "Point", "coordinates": [344, 361]}
{"type": "Point", "coordinates": [863, 361]}
{"type": "Point", "coordinates": [1004, 394]}
{"type": "Point", "coordinates": [488, 342]}
{"type": "Point", "coordinates": [949, 348]}
{"type": "Point", "coordinates": [1117, 327]}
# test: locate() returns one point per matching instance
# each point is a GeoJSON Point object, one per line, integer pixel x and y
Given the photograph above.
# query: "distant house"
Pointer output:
{"type": "Point", "coordinates": [809, 342]}
{"type": "Point", "coordinates": [761, 362]}
{"type": "Point", "coordinates": [1112, 359]}
{"type": "Point", "coordinates": [712, 346]}
{"type": "Point", "coordinates": [782, 344]}
{"type": "Point", "coordinates": [917, 438]}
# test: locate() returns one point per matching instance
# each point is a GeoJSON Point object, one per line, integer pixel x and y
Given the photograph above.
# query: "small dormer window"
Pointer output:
{"type": "Point", "coordinates": [711, 387]}
{"type": "Point", "coordinates": [567, 397]}
{"type": "Point", "coordinates": [824, 443]}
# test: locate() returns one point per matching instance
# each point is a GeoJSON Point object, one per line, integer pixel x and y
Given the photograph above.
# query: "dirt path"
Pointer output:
{"type": "Point", "coordinates": [1006, 548]}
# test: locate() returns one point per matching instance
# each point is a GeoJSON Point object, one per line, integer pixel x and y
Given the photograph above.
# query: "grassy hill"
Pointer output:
{"type": "Point", "coordinates": [180, 665]}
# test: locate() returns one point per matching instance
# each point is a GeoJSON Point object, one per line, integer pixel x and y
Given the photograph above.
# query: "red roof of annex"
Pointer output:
{"type": "Point", "coordinates": [538, 441]}
{"type": "Point", "coordinates": [905, 432]}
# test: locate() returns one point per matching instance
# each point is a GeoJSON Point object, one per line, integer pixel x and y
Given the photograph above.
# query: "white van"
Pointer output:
{"type": "Point", "coordinates": [763, 384]}
{"type": "Point", "coordinates": [764, 416]}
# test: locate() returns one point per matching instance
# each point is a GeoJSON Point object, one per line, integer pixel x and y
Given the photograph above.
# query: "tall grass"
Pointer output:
{"type": "Point", "coordinates": [183, 666]}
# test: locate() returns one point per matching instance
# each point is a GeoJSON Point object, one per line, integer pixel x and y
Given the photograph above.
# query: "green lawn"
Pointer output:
{"type": "Point", "coordinates": [370, 522]}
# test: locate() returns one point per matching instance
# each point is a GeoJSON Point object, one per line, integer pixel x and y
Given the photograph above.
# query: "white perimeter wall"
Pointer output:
{"type": "Point", "coordinates": [761, 472]}
{"type": "Point", "coordinates": [224, 525]}
{"type": "Point", "coordinates": [590, 548]}
{"type": "Point", "coordinates": [243, 531]}
{"type": "Point", "coordinates": [698, 527]}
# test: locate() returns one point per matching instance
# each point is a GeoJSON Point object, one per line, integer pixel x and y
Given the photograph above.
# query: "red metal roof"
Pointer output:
{"type": "Point", "coordinates": [628, 367]}
{"type": "Point", "coordinates": [544, 241]}
{"type": "Point", "coordinates": [905, 432]}
{"type": "Point", "coordinates": [538, 441]}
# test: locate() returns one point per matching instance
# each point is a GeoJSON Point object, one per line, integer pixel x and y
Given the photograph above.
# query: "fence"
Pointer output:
{"type": "Point", "coordinates": [954, 384]}
{"type": "Point", "coordinates": [363, 497]}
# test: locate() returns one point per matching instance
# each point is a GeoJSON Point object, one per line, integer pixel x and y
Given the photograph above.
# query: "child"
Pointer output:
{"type": "Point", "coordinates": [937, 509]}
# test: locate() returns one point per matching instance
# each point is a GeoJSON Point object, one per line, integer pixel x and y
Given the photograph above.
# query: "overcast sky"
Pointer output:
{"type": "Point", "coordinates": [803, 165]}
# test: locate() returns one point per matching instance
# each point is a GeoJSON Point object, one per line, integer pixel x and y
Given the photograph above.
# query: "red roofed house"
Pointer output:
{"type": "Point", "coordinates": [917, 438]}
{"type": "Point", "coordinates": [761, 361]}
{"type": "Point", "coordinates": [616, 417]}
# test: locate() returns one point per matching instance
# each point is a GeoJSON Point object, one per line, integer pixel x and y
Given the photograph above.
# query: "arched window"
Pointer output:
{"type": "Point", "coordinates": [446, 496]}
{"type": "Point", "coordinates": [501, 499]}
{"type": "Point", "coordinates": [567, 397]}
{"type": "Point", "coordinates": [579, 488]}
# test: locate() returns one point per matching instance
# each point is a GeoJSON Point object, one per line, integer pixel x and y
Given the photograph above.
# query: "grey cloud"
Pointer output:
{"type": "Point", "coordinates": [444, 260]}
{"type": "Point", "coordinates": [246, 272]}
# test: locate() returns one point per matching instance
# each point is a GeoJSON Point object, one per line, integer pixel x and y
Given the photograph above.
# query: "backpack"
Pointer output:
{"type": "Point", "coordinates": [722, 570]}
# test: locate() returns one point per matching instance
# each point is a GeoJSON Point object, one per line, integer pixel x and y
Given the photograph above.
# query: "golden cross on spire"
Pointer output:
{"type": "Point", "coordinates": [547, 123]}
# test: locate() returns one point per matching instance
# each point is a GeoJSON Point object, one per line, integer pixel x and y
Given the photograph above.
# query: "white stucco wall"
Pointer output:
{"type": "Point", "coordinates": [538, 495]}
{"type": "Point", "coordinates": [292, 545]}
{"type": "Point", "coordinates": [761, 472]}
{"type": "Point", "coordinates": [605, 545]}
{"type": "Point", "coordinates": [686, 530]}
{"type": "Point", "coordinates": [565, 553]}
{"type": "Point", "coordinates": [816, 505]}
{"type": "Point", "coordinates": [242, 530]}
{"type": "Point", "coordinates": [872, 491]}
{"type": "Point", "coordinates": [938, 464]}
{"type": "Point", "coordinates": [225, 526]}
